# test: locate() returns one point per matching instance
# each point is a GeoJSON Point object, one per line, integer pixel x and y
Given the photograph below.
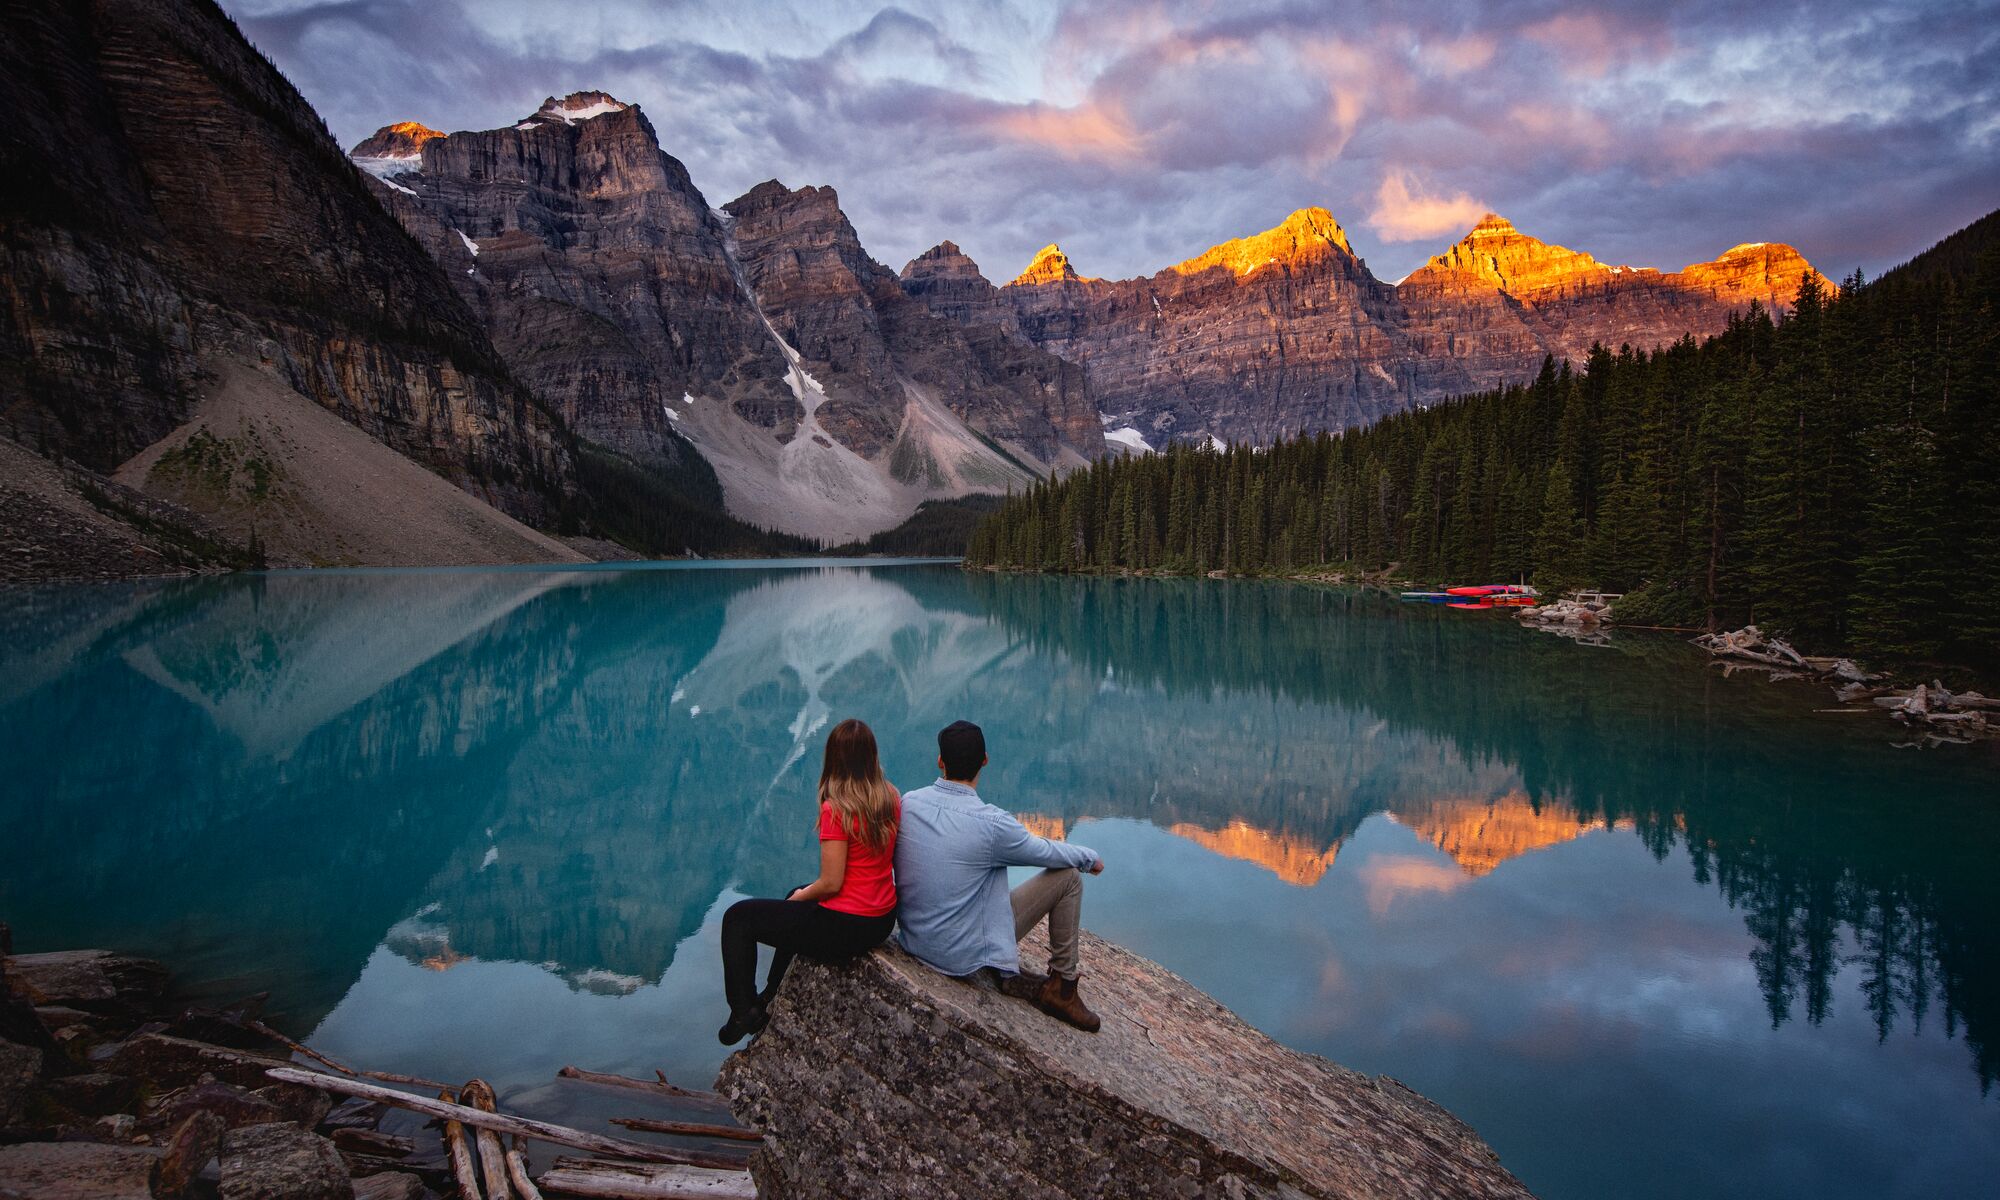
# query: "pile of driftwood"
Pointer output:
{"type": "Point", "coordinates": [1943, 717]}
{"type": "Point", "coordinates": [626, 1170]}
{"type": "Point", "coordinates": [1586, 613]}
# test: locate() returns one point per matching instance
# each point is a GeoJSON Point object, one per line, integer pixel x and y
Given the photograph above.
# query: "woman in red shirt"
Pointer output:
{"type": "Point", "coordinates": [848, 910]}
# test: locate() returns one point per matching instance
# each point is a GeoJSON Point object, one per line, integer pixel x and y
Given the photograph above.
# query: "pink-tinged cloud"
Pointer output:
{"type": "Point", "coordinates": [1088, 131]}
{"type": "Point", "coordinates": [1386, 877]}
{"type": "Point", "coordinates": [1404, 211]}
{"type": "Point", "coordinates": [1589, 45]}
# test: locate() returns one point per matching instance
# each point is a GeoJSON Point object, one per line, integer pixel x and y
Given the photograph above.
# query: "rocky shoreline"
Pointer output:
{"type": "Point", "coordinates": [110, 1091]}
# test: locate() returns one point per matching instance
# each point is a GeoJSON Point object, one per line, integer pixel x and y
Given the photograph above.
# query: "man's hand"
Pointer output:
{"type": "Point", "coordinates": [1097, 868]}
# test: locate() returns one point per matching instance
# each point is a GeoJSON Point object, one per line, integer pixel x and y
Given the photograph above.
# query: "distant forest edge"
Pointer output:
{"type": "Point", "coordinates": [1833, 474]}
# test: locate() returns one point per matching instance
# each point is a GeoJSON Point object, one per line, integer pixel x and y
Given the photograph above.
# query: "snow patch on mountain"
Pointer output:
{"type": "Point", "coordinates": [1129, 438]}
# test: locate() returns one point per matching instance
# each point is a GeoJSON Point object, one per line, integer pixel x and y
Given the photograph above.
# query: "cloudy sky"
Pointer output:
{"type": "Point", "coordinates": [1136, 134]}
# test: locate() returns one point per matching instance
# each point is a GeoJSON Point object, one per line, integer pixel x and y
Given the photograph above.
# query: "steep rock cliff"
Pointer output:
{"type": "Point", "coordinates": [594, 263]}
{"type": "Point", "coordinates": [1267, 335]}
{"type": "Point", "coordinates": [868, 341]}
{"type": "Point", "coordinates": [1287, 330]}
{"type": "Point", "coordinates": [166, 200]}
{"type": "Point", "coordinates": [1498, 301]}
{"type": "Point", "coordinates": [828, 402]}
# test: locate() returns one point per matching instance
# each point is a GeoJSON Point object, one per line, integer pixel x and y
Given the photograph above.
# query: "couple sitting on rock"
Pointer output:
{"type": "Point", "coordinates": [935, 862]}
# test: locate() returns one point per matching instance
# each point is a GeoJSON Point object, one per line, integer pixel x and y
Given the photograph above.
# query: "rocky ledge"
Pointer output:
{"type": "Point", "coordinates": [886, 1079]}
{"type": "Point", "coordinates": [110, 1091]}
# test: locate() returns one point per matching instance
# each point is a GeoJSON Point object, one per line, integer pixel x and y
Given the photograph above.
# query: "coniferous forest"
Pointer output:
{"type": "Point", "coordinates": [1831, 472]}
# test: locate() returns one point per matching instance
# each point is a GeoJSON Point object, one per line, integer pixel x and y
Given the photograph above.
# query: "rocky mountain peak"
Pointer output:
{"type": "Point", "coordinates": [942, 261]}
{"type": "Point", "coordinates": [1768, 272]}
{"type": "Point", "coordinates": [1307, 235]}
{"type": "Point", "coordinates": [577, 106]}
{"type": "Point", "coordinates": [1495, 255]}
{"type": "Point", "coordinates": [403, 140]}
{"type": "Point", "coordinates": [1050, 265]}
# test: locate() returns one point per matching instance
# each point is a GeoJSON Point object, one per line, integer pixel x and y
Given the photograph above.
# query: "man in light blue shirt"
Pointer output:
{"type": "Point", "coordinates": [955, 912]}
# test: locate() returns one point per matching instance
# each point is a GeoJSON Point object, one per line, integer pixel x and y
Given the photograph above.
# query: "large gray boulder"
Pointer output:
{"type": "Point", "coordinates": [886, 1079]}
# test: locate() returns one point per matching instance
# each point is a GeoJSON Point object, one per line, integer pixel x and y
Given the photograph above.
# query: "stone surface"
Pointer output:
{"type": "Point", "coordinates": [389, 1185]}
{"type": "Point", "coordinates": [20, 1067]}
{"type": "Point", "coordinates": [171, 1062]}
{"type": "Point", "coordinates": [94, 1093]}
{"type": "Point", "coordinates": [885, 1079]}
{"type": "Point", "coordinates": [281, 1162]}
{"type": "Point", "coordinates": [167, 197]}
{"type": "Point", "coordinates": [235, 1105]}
{"type": "Point", "coordinates": [77, 1171]}
{"type": "Point", "coordinates": [92, 980]}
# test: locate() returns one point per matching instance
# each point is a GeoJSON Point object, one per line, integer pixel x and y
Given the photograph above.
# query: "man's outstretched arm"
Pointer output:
{"type": "Point", "coordinates": [1014, 846]}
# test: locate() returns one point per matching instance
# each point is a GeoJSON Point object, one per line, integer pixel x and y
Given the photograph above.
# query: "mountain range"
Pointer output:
{"type": "Point", "coordinates": [196, 276]}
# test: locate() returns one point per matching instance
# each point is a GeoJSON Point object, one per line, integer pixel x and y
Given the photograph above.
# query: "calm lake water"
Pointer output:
{"type": "Point", "coordinates": [1651, 931]}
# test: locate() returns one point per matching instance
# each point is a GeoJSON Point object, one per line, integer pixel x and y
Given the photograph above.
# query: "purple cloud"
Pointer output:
{"type": "Point", "coordinates": [1138, 134]}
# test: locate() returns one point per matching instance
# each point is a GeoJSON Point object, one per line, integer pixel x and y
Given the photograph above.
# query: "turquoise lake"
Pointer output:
{"type": "Point", "coordinates": [1652, 931]}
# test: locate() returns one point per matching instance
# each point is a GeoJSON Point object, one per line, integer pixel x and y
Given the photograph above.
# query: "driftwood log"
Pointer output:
{"type": "Point", "coordinates": [646, 1181]}
{"type": "Point", "coordinates": [733, 1133]}
{"type": "Point", "coordinates": [658, 1087]}
{"type": "Point", "coordinates": [517, 1167]}
{"type": "Point", "coordinates": [459, 1147]}
{"type": "Point", "coordinates": [533, 1130]}
{"type": "Point", "coordinates": [492, 1158]}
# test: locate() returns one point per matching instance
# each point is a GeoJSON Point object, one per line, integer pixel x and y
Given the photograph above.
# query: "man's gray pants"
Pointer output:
{"type": "Point", "coordinates": [1057, 894]}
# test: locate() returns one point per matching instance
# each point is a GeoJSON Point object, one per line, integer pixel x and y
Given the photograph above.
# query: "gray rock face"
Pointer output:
{"type": "Point", "coordinates": [886, 1079]}
{"type": "Point", "coordinates": [282, 1162]}
{"type": "Point", "coordinates": [596, 265]}
{"type": "Point", "coordinates": [166, 196]}
{"type": "Point", "coordinates": [1288, 331]}
{"type": "Point", "coordinates": [614, 290]}
{"type": "Point", "coordinates": [20, 1066]}
{"type": "Point", "coordinates": [864, 337]}
{"type": "Point", "coordinates": [77, 1171]}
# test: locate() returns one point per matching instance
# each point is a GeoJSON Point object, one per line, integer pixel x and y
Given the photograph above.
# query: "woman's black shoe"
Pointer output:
{"type": "Point", "coordinates": [748, 1023]}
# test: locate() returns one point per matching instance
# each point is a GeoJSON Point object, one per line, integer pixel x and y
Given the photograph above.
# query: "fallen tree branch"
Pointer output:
{"type": "Point", "coordinates": [660, 1088]}
{"type": "Point", "coordinates": [540, 1131]}
{"type": "Point", "coordinates": [734, 1133]}
{"type": "Point", "coordinates": [492, 1159]}
{"type": "Point", "coordinates": [517, 1167]}
{"type": "Point", "coordinates": [643, 1181]}
{"type": "Point", "coordinates": [258, 1027]}
{"type": "Point", "coordinates": [456, 1144]}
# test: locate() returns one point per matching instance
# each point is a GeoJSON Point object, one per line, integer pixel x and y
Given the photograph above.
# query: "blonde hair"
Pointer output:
{"type": "Point", "coordinates": [851, 784]}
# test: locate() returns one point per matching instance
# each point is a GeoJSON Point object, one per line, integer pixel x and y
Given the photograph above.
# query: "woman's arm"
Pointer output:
{"type": "Point", "coordinates": [832, 872]}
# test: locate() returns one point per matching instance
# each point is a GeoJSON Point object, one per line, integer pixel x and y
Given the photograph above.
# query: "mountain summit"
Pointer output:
{"type": "Point", "coordinates": [1305, 235]}
{"type": "Point", "coordinates": [1050, 265]}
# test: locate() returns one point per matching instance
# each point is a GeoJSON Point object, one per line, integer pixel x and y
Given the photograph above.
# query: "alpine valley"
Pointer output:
{"type": "Point", "coordinates": [224, 341]}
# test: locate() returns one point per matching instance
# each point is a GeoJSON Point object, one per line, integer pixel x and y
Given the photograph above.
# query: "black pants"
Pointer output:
{"type": "Point", "coordinates": [791, 927]}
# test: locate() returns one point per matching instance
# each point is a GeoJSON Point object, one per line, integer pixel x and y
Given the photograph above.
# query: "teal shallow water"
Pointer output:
{"type": "Point", "coordinates": [1651, 931]}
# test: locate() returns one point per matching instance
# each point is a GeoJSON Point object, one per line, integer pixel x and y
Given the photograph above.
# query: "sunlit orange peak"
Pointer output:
{"type": "Point", "coordinates": [1306, 235]}
{"type": "Point", "coordinates": [1292, 859]}
{"type": "Point", "coordinates": [1050, 265]}
{"type": "Point", "coordinates": [416, 131]}
{"type": "Point", "coordinates": [1481, 834]}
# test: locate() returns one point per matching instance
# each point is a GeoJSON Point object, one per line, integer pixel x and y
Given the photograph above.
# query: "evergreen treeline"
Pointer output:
{"type": "Point", "coordinates": [938, 529]}
{"type": "Point", "coordinates": [1833, 474]}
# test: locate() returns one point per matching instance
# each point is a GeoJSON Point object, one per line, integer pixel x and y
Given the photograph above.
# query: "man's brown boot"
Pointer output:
{"type": "Point", "coordinates": [1059, 999]}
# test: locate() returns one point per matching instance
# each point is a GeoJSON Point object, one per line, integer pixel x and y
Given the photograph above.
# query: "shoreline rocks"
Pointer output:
{"type": "Point", "coordinates": [109, 1091]}
{"type": "Point", "coordinates": [884, 1079]}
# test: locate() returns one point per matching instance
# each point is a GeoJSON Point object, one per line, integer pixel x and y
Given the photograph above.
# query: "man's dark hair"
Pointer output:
{"type": "Point", "coordinates": [962, 746]}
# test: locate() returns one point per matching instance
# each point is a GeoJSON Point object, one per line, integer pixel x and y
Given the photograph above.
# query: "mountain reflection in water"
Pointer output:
{"type": "Point", "coordinates": [468, 816]}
